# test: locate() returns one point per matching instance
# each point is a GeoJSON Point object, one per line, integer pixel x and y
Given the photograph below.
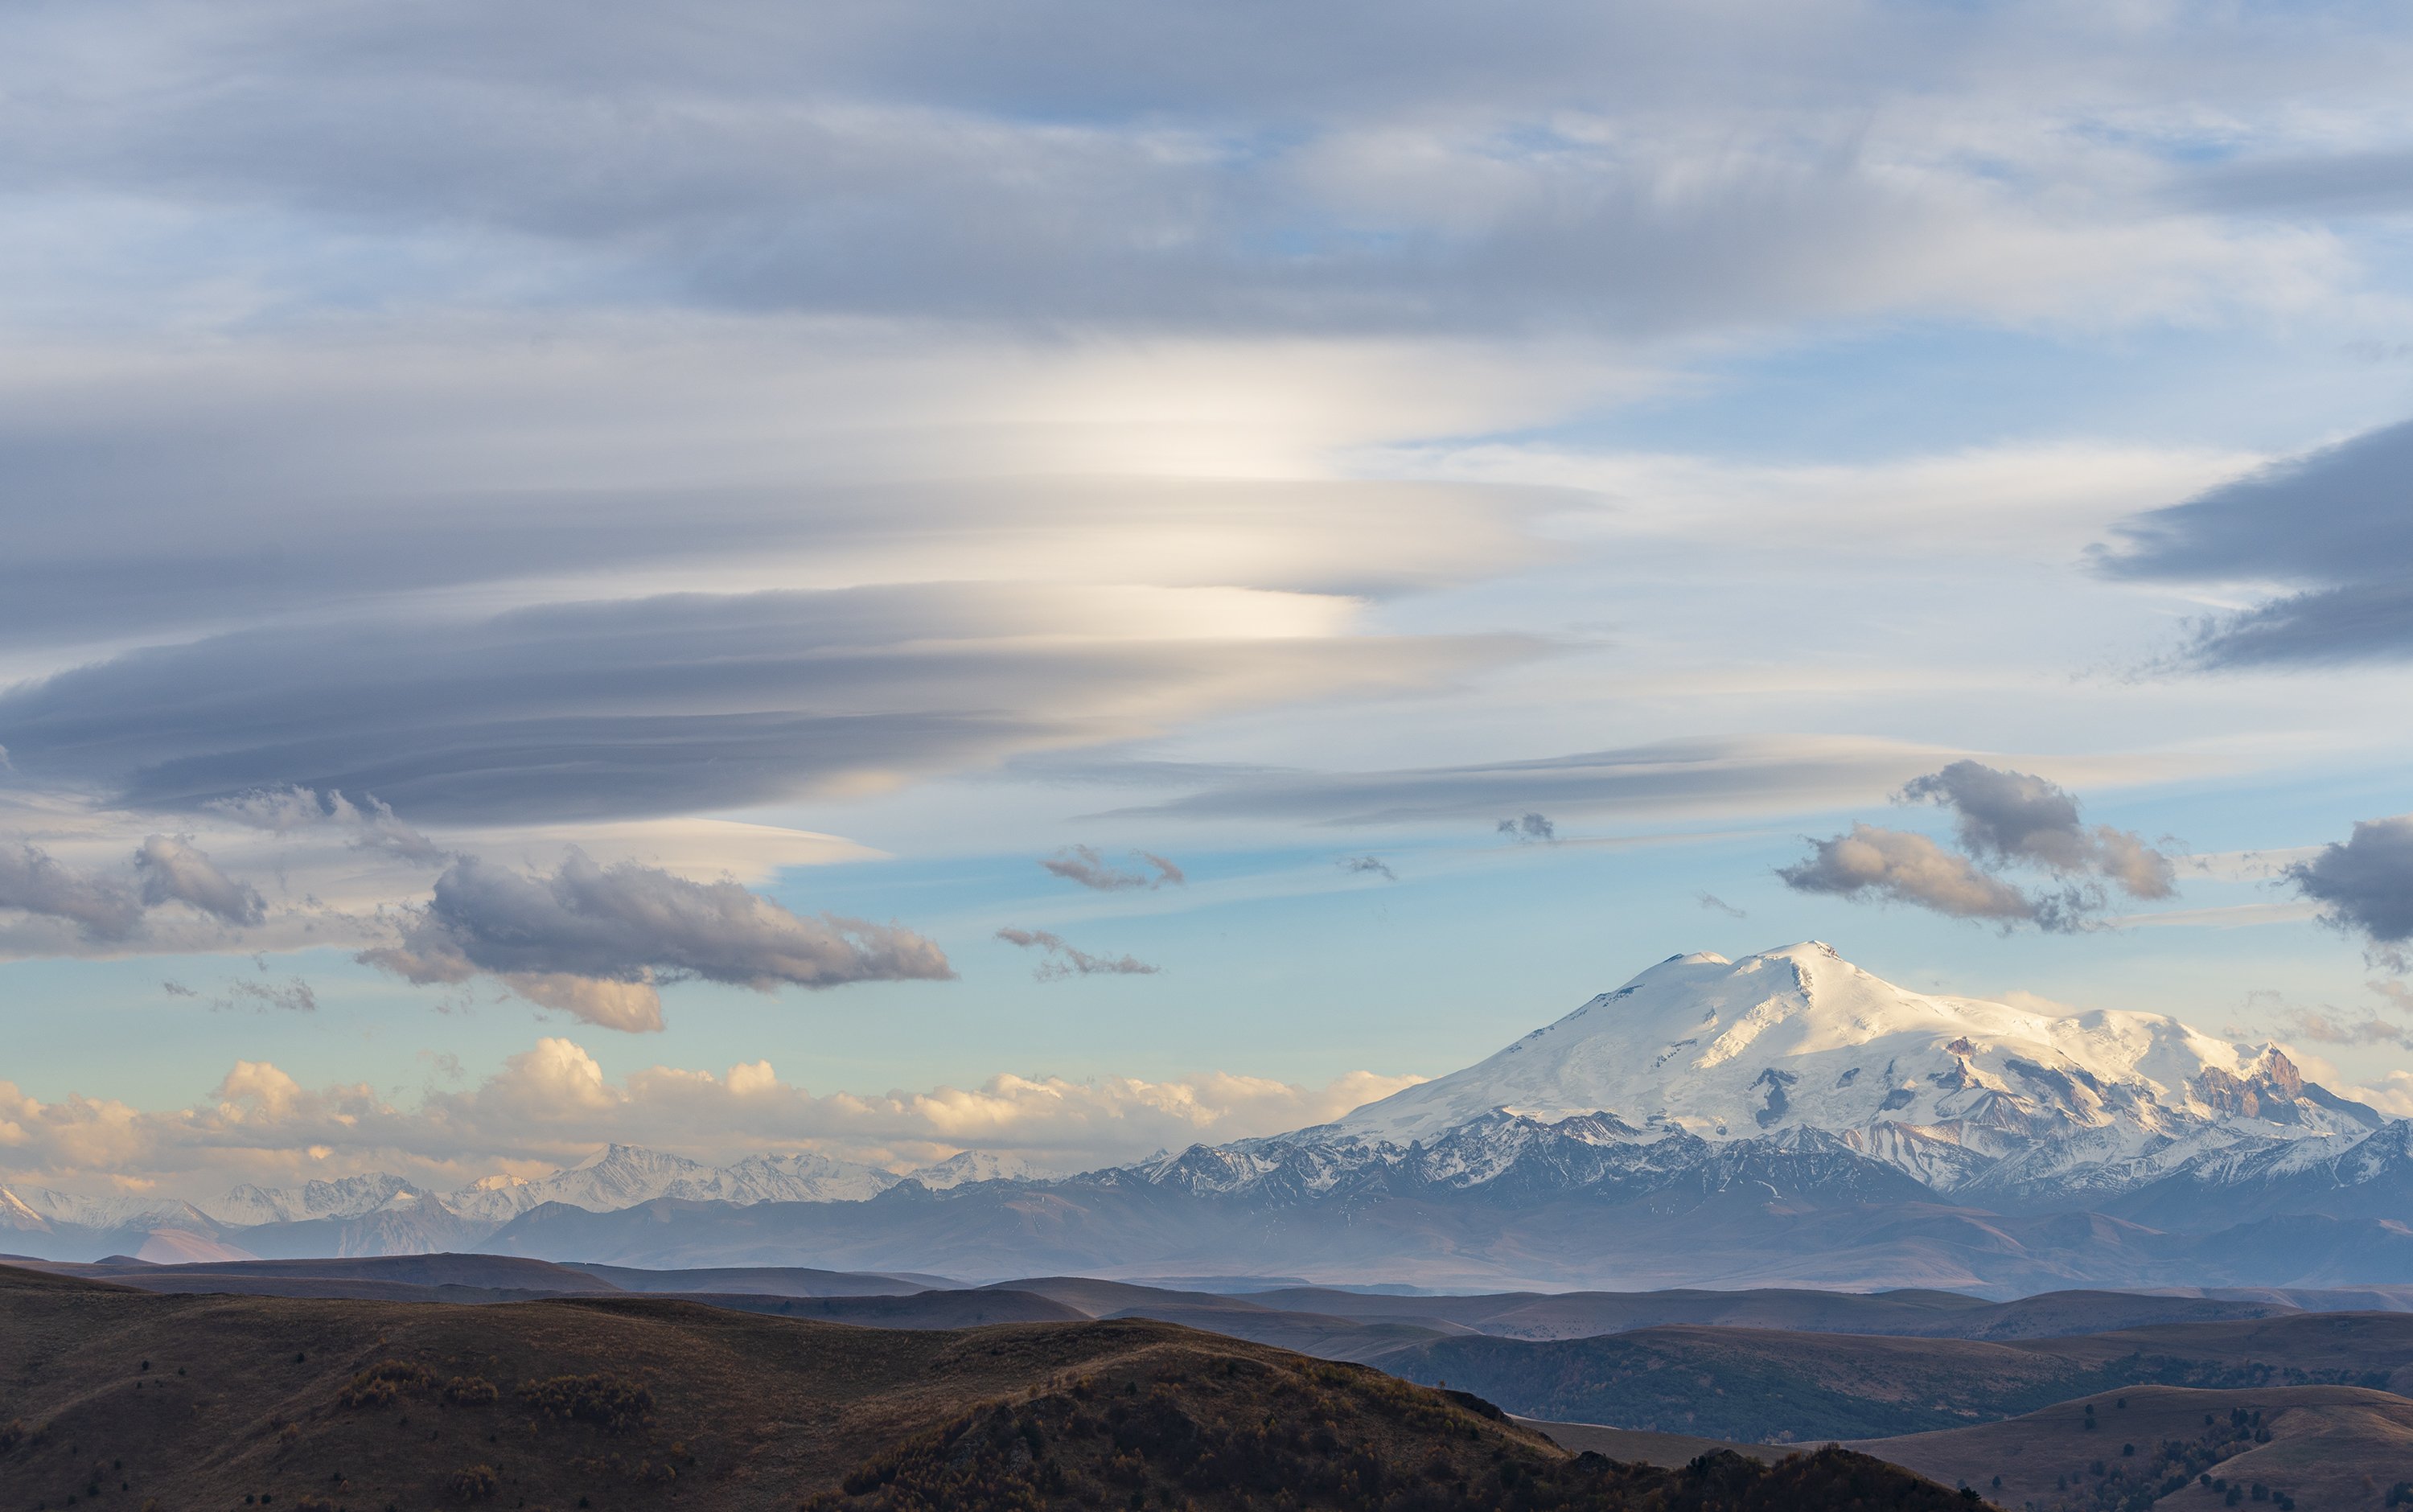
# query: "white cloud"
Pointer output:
{"type": "Point", "coordinates": [552, 1104]}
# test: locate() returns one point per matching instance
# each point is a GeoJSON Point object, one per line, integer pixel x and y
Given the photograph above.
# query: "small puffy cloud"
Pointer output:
{"type": "Point", "coordinates": [289, 809]}
{"type": "Point", "coordinates": [292, 995]}
{"type": "Point", "coordinates": [174, 871]}
{"type": "Point", "coordinates": [2009, 817]}
{"type": "Point", "coordinates": [2328, 1028]}
{"type": "Point", "coordinates": [1063, 960]}
{"type": "Point", "coordinates": [592, 940]}
{"type": "Point", "coordinates": [1529, 828]}
{"type": "Point", "coordinates": [1719, 905]}
{"type": "Point", "coordinates": [2366, 884]}
{"type": "Point", "coordinates": [1904, 867]}
{"type": "Point", "coordinates": [1087, 866]}
{"type": "Point", "coordinates": [34, 881]}
{"type": "Point", "coordinates": [2003, 820]}
{"type": "Point", "coordinates": [635, 1006]}
{"type": "Point", "coordinates": [1368, 866]}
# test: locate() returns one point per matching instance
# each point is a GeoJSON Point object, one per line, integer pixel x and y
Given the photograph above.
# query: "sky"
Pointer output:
{"type": "Point", "coordinates": [1075, 579]}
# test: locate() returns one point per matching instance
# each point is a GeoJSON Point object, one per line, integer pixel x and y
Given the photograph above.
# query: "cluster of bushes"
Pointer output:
{"type": "Point", "coordinates": [384, 1381]}
{"type": "Point", "coordinates": [613, 1403]}
{"type": "Point", "coordinates": [381, 1383]}
{"type": "Point", "coordinates": [472, 1483]}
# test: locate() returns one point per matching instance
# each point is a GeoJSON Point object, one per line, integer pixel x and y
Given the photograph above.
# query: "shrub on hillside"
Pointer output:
{"type": "Point", "coordinates": [613, 1403]}
{"type": "Point", "coordinates": [382, 1382]}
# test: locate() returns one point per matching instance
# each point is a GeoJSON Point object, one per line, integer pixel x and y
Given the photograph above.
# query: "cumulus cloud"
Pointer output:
{"type": "Point", "coordinates": [34, 881]}
{"type": "Point", "coordinates": [1085, 865]}
{"type": "Point", "coordinates": [2011, 817]}
{"type": "Point", "coordinates": [2331, 524]}
{"type": "Point", "coordinates": [1719, 905]}
{"type": "Point", "coordinates": [1065, 960]}
{"type": "Point", "coordinates": [2364, 886]}
{"type": "Point", "coordinates": [1906, 868]}
{"type": "Point", "coordinates": [1368, 866]}
{"type": "Point", "coordinates": [173, 870]}
{"type": "Point", "coordinates": [1529, 828]}
{"type": "Point", "coordinates": [594, 941]}
{"type": "Point", "coordinates": [2005, 820]}
{"type": "Point", "coordinates": [552, 1104]}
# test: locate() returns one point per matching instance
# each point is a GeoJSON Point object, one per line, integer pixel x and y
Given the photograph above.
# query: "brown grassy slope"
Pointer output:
{"type": "Point", "coordinates": [1248, 1436]}
{"type": "Point", "coordinates": [2332, 1448]}
{"type": "Point", "coordinates": [630, 1403]}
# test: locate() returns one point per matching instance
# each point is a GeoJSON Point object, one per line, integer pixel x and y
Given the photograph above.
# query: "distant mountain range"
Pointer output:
{"type": "Point", "coordinates": [1785, 1118]}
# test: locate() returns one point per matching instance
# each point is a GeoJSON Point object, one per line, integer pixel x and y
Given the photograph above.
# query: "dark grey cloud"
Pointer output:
{"type": "Point", "coordinates": [177, 989]}
{"type": "Point", "coordinates": [1529, 828]}
{"type": "Point", "coordinates": [2335, 524]}
{"type": "Point", "coordinates": [1368, 866]}
{"type": "Point", "coordinates": [1716, 904]}
{"type": "Point", "coordinates": [635, 924]}
{"type": "Point", "coordinates": [1086, 866]}
{"type": "Point", "coordinates": [2005, 820]}
{"type": "Point", "coordinates": [2366, 884]}
{"type": "Point", "coordinates": [174, 871]}
{"type": "Point", "coordinates": [1065, 960]}
{"type": "Point", "coordinates": [101, 907]}
{"type": "Point", "coordinates": [669, 704]}
{"type": "Point", "coordinates": [1897, 866]}
{"type": "Point", "coordinates": [1669, 777]}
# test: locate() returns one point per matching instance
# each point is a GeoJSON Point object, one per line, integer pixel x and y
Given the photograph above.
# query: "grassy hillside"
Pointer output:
{"type": "Point", "coordinates": [2324, 1448]}
{"type": "Point", "coordinates": [1763, 1385]}
{"type": "Point", "coordinates": [632, 1402]}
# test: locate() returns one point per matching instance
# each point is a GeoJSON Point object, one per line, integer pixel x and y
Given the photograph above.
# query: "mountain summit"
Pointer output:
{"type": "Point", "coordinates": [1952, 1090]}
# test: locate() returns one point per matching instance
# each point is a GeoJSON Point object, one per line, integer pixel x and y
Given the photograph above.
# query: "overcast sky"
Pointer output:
{"type": "Point", "coordinates": [892, 579]}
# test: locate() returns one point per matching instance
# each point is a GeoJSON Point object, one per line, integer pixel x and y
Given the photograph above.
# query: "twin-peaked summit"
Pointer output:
{"type": "Point", "coordinates": [1952, 1090]}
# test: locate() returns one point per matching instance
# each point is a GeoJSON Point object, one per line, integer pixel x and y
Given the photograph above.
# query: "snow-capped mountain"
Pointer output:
{"type": "Point", "coordinates": [37, 1209]}
{"type": "Point", "coordinates": [977, 1165]}
{"type": "Point", "coordinates": [615, 1176]}
{"type": "Point", "coordinates": [350, 1197]}
{"type": "Point", "coordinates": [804, 1177]}
{"type": "Point", "coordinates": [1960, 1094]}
